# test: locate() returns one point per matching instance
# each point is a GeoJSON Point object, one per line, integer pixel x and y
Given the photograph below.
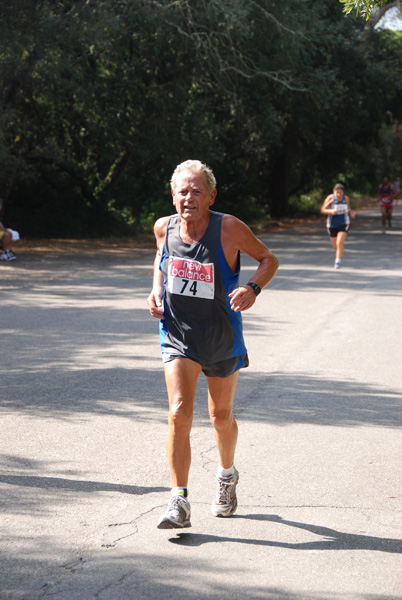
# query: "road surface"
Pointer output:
{"type": "Point", "coordinates": [83, 473]}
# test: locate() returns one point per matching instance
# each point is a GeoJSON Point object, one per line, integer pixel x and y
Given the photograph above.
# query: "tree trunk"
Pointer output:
{"type": "Point", "coordinates": [278, 187]}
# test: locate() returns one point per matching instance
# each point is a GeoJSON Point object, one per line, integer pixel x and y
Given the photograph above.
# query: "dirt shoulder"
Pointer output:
{"type": "Point", "coordinates": [111, 246]}
{"type": "Point", "coordinates": [146, 243]}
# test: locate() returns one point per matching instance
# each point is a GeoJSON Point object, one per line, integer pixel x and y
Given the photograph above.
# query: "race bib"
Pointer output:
{"type": "Point", "coordinates": [191, 278]}
{"type": "Point", "coordinates": [341, 209]}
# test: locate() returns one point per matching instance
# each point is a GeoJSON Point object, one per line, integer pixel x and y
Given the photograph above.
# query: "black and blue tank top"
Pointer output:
{"type": "Point", "coordinates": [199, 323]}
{"type": "Point", "coordinates": [342, 215]}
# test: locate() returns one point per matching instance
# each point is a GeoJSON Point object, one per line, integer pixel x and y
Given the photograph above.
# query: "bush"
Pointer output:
{"type": "Point", "coordinates": [306, 204]}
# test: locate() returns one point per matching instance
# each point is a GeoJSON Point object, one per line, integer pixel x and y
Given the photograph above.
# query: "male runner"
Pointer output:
{"type": "Point", "coordinates": [196, 296]}
{"type": "Point", "coordinates": [386, 194]}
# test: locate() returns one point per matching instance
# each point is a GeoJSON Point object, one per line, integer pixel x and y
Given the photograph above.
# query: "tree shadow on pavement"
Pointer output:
{"type": "Point", "coordinates": [138, 393]}
{"type": "Point", "coordinates": [289, 398]}
{"type": "Point", "coordinates": [331, 539]}
{"type": "Point", "coordinates": [75, 485]}
{"type": "Point", "coordinates": [141, 575]}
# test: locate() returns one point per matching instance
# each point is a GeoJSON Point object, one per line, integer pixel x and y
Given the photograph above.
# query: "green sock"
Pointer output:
{"type": "Point", "coordinates": [180, 491]}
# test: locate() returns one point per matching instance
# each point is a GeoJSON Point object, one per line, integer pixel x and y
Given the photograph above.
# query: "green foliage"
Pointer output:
{"type": "Point", "coordinates": [307, 204]}
{"type": "Point", "coordinates": [100, 99]}
{"type": "Point", "coordinates": [363, 8]}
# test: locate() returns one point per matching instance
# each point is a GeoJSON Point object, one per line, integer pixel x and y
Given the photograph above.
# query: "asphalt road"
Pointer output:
{"type": "Point", "coordinates": [83, 473]}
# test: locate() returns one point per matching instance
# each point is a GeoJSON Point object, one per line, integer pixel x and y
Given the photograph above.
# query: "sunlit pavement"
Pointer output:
{"type": "Point", "coordinates": [83, 473]}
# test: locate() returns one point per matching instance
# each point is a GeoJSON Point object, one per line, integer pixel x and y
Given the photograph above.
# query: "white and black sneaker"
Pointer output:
{"type": "Point", "coordinates": [7, 255]}
{"type": "Point", "coordinates": [225, 503]}
{"type": "Point", "coordinates": [177, 515]}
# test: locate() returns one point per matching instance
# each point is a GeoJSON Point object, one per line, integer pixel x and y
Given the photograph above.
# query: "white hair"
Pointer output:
{"type": "Point", "coordinates": [195, 166]}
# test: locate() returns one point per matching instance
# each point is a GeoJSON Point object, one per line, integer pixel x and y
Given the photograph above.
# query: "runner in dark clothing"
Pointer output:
{"type": "Point", "coordinates": [197, 297]}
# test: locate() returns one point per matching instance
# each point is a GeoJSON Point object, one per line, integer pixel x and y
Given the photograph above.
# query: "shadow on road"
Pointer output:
{"type": "Point", "coordinates": [286, 398]}
{"type": "Point", "coordinates": [331, 539]}
{"type": "Point", "coordinates": [280, 398]}
{"type": "Point", "coordinates": [75, 485]}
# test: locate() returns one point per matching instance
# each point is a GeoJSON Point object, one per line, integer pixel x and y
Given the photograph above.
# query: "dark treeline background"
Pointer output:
{"type": "Point", "coordinates": [100, 99]}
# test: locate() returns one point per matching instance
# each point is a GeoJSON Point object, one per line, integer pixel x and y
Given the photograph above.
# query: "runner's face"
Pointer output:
{"type": "Point", "coordinates": [191, 196]}
{"type": "Point", "coordinates": [338, 194]}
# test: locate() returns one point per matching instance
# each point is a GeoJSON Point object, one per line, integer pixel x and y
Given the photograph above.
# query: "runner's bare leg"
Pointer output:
{"type": "Point", "coordinates": [221, 392]}
{"type": "Point", "coordinates": [181, 375]}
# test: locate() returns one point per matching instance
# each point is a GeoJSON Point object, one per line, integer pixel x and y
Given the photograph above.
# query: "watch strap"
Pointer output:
{"type": "Point", "coordinates": [256, 287]}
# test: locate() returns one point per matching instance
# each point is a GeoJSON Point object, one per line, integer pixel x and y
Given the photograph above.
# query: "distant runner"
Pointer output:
{"type": "Point", "coordinates": [337, 208]}
{"type": "Point", "coordinates": [385, 195]}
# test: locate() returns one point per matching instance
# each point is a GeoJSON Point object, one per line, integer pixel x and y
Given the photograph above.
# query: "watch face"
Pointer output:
{"type": "Point", "coordinates": [255, 287]}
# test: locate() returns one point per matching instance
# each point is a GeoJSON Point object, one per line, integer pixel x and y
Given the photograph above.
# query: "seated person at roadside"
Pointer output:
{"type": "Point", "coordinates": [8, 237]}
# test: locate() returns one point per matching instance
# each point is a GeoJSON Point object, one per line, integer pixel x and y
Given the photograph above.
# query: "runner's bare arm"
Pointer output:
{"type": "Point", "coordinates": [350, 210]}
{"type": "Point", "coordinates": [155, 298]}
{"type": "Point", "coordinates": [324, 208]}
{"type": "Point", "coordinates": [237, 236]}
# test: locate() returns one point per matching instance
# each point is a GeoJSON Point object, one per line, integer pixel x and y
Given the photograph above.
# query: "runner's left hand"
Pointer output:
{"type": "Point", "coordinates": [242, 298]}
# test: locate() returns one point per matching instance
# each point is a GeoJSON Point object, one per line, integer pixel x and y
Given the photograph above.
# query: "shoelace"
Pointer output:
{"type": "Point", "coordinates": [174, 503]}
{"type": "Point", "coordinates": [224, 489]}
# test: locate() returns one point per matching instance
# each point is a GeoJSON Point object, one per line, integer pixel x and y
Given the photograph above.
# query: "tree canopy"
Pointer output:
{"type": "Point", "coordinates": [100, 99]}
{"type": "Point", "coordinates": [364, 8]}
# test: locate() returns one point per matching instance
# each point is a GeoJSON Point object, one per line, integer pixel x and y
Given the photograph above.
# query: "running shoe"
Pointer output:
{"type": "Point", "coordinates": [7, 255]}
{"type": "Point", "coordinates": [225, 503]}
{"type": "Point", "coordinates": [177, 515]}
{"type": "Point", "coordinates": [337, 264]}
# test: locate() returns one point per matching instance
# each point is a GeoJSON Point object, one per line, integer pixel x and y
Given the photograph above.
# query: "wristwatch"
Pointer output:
{"type": "Point", "coordinates": [256, 288]}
